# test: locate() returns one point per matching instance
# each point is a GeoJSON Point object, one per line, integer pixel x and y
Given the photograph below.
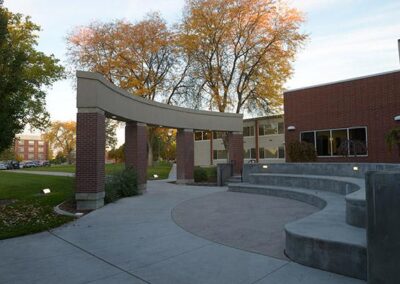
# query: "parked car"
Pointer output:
{"type": "Point", "coordinates": [29, 165]}
{"type": "Point", "coordinates": [45, 164]}
{"type": "Point", "coordinates": [3, 166]}
{"type": "Point", "coordinates": [12, 165]}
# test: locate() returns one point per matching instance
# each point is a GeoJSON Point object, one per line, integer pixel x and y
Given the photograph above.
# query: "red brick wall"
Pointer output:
{"type": "Point", "coordinates": [371, 102]}
{"type": "Point", "coordinates": [184, 155]}
{"type": "Point", "coordinates": [136, 149]}
{"type": "Point", "coordinates": [236, 152]}
{"type": "Point", "coordinates": [90, 152]}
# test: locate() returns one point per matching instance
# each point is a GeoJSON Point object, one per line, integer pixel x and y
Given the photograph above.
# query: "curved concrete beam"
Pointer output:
{"type": "Point", "coordinates": [95, 92]}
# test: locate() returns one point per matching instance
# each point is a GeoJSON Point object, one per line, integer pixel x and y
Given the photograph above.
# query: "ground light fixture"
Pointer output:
{"type": "Point", "coordinates": [155, 176]}
{"type": "Point", "coordinates": [46, 191]}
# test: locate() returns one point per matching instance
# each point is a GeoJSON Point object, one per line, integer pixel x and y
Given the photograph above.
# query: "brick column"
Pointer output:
{"type": "Point", "coordinates": [136, 150]}
{"type": "Point", "coordinates": [184, 155]}
{"type": "Point", "coordinates": [236, 151]}
{"type": "Point", "coordinates": [90, 155]}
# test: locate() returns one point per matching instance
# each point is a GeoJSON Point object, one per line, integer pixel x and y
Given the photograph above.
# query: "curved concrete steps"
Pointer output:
{"type": "Point", "coordinates": [322, 240]}
{"type": "Point", "coordinates": [352, 188]}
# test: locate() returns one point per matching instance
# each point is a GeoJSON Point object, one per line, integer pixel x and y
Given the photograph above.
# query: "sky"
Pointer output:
{"type": "Point", "coordinates": [347, 38]}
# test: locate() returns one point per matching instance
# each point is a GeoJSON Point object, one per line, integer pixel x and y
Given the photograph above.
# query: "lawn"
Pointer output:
{"type": "Point", "coordinates": [160, 168]}
{"type": "Point", "coordinates": [29, 210]}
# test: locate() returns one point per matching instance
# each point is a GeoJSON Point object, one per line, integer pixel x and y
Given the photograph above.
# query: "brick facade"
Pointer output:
{"type": "Point", "coordinates": [90, 155]}
{"type": "Point", "coordinates": [371, 101]}
{"type": "Point", "coordinates": [136, 150]}
{"type": "Point", "coordinates": [236, 151]}
{"type": "Point", "coordinates": [184, 155]}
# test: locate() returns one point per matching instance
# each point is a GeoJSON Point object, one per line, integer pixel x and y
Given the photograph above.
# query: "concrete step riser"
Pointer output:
{"type": "Point", "coordinates": [340, 187]}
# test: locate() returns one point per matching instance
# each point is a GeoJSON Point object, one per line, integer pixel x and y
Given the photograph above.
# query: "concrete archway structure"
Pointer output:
{"type": "Point", "coordinates": [97, 99]}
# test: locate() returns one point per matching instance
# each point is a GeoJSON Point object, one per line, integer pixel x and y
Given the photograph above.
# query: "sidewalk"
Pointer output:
{"type": "Point", "coordinates": [135, 240]}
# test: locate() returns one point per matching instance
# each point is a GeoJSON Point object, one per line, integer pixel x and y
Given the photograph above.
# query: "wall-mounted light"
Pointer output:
{"type": "Point", "coordinates": [397, 117]}
{"type": "Point", "coordinates": [113, 117]}
{"type": "Point", "coordinates": [355, 168]}
{"type": "Point", "coordinates": [291, 128]}
{"type": "Point", "coordinates": [265, 166]}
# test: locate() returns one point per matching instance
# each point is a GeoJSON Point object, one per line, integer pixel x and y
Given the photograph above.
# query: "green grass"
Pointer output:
{"type": "Point", "coordinates": [161, 169]}
{"type": "Point", "coordinates": [31, 211]}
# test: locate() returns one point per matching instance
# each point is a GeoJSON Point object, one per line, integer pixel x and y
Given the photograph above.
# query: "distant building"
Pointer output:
{"type": "Point", "coordinates": [263, 141]}
{"type": "Point", "coordinates": [31, 147]}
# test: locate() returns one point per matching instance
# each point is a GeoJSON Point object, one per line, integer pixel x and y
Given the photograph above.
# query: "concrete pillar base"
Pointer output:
{"type": "Point", "coordinates": [89, 201]}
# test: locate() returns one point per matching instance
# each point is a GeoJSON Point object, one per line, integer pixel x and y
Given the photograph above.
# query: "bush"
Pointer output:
{"type": "Point", "coordinates": [121, 184]}
{"type": "Point", "coordinates": [301, 152]}
{"type": "Point", "coordinates": [200, 174]}
{"type": "Point", "coordinates": [208, 174]}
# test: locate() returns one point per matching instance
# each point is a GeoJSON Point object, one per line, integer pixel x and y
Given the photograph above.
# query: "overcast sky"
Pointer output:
{"type": "Point", "coordinates": [348, 38]}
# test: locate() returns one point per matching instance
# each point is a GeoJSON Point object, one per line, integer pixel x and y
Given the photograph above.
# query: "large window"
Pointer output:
{"type": "Point", "coordinates": [218, 134]}
{"type": "Point", "coordinates": [270, 128]}
{"type": "Point", "coordinates": [202, 135]}
{"type": "Point", "coordinates": [248, 131]}
{"type": "Point", "coordinates": [250, 153]}
{"type": "Point", "coordinates": [272, 153]}
{"type": "Point", "coordinates": [338, 142]}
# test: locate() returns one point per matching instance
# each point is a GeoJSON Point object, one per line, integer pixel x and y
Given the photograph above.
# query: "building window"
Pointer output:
{"type": "Point", "coordinates": [31, 149]}
{"type": "Point", "coordinates": [248, 131]}
{"type": "Point", "coordinates": [21, 142]}
{"type": "Point", "coordinates": [31, 142]}
{"type": "Point", "coordinates": [219, 154]}
{"type": "Point", "coordinates": [31, 156]}
{"type": "Point", "coordinates": [281, 128]}
{"type": "Point", "coordinates": [202, 135]}
{"type": "Point", "coordinates": [281, 152]}
{"type": "Point", "coordinates": [358, 141]}
{"type": "Point", "coordinates": [323, 143]}
{"type": "Point", "coordinates": [41, 149]}
{"type": "Point", "coordinates": [268, 128]}
{"type": "Point", "coordinates": [308, 137]}
{"type": "Point", "coordinates": [21, 149]}
{"type": "Point", "coordinates": [41, 143]}
{"type": "Point", "coordinates": [338, 142]}
{"type": "Point", "coordinates": [40, 156]}
{"type": "Point", "coordinates": [218, 134]}
{"type": "Point", "coordinates": [250, 153]}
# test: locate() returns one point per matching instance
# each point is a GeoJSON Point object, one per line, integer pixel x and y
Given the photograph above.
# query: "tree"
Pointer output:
{"type": "Point", "coordinates": [241, 51]}
{"type": "Point", "coordinates": [392, 139]}
{"type": "Point", "coordinates": [62, 136]}
{"type": "Point", "coordinates": [25, 72]}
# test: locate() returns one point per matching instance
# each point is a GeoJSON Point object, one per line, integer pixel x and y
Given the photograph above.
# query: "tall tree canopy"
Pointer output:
{"type": "Point", "coordinates": [241, 51]}
{"type": "Point", "coordinates": [62, 137]}
{"type": "Point", "coordinates": [25, 72]}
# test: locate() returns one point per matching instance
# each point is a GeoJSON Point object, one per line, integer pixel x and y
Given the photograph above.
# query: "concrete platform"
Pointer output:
{"type": "Point", "coordinates": [135, 240]}
{"type": "Point", "coordinates": [323, 240]}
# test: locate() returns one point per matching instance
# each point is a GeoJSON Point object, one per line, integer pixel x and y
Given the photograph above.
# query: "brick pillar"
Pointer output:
{"type": "Point", "coordinates": [136, 150]}
{"type": "Point", "coordinates": [90, 155]}
{"type": "Point", "coordinates": [256, 135]}
{"type": "Point", "coordinates": [184, 155]}
{"type": "Point", "coordinates": [236, 151]}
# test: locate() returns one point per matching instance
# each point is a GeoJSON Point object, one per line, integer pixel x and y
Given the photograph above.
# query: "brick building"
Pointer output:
{"type": "Point", "coordinates": [31, 147]}
{"type": "Point", "coordinates": [346, 121]}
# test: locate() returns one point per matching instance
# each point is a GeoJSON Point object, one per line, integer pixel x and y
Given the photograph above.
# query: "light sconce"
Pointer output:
{"type": "Point", "coordinates": [265, 166]}
{"type": "Point", "coordinates": [397, 118]}
{"type": "Point", "coordinates": [291, 128]}
{"type": "Point", "coordinates": [355, 168]}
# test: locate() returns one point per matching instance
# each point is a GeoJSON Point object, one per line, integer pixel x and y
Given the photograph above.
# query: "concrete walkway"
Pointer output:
{"type": "Point", "coordinates": [135, 240]}
{"type": "Point", "coordinates": [43, 173]}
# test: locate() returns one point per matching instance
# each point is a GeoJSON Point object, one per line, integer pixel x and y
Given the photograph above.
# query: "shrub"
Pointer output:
{"type": "Point", "coordinates": [392, 139]}
{"type": "Point", "coordinates": [301, 152]}
{"type": "Point", "coordinates": [208, 174]}
{"type": "Point", "coordinates": [121, 184]}
{"type": "Point", "coordinates": [200, 174]}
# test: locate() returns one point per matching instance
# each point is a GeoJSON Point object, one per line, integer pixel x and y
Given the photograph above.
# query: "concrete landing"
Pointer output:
{"type": "Point", "coordinates": [135, 240]}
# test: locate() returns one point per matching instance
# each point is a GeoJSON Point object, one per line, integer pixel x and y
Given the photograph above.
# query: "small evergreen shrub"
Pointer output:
{"type": "Point", "coordinates": [301, 152]}
{"type": "Point", "coordinates": [200, 174]}
{"type": "Point", "coordinates": [121, 184]}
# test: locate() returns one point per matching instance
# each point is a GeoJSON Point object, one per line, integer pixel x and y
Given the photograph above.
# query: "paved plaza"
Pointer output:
{"type": "Point", "coordinates": [136, 240]}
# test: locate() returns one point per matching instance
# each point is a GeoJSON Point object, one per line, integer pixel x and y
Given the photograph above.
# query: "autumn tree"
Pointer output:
{"type": "Point", "coordinates": [62, 137]}
{"type": "Point", "coordinates": [241, 51]}
{"type": "Point", "coordinates": [25, 73]}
